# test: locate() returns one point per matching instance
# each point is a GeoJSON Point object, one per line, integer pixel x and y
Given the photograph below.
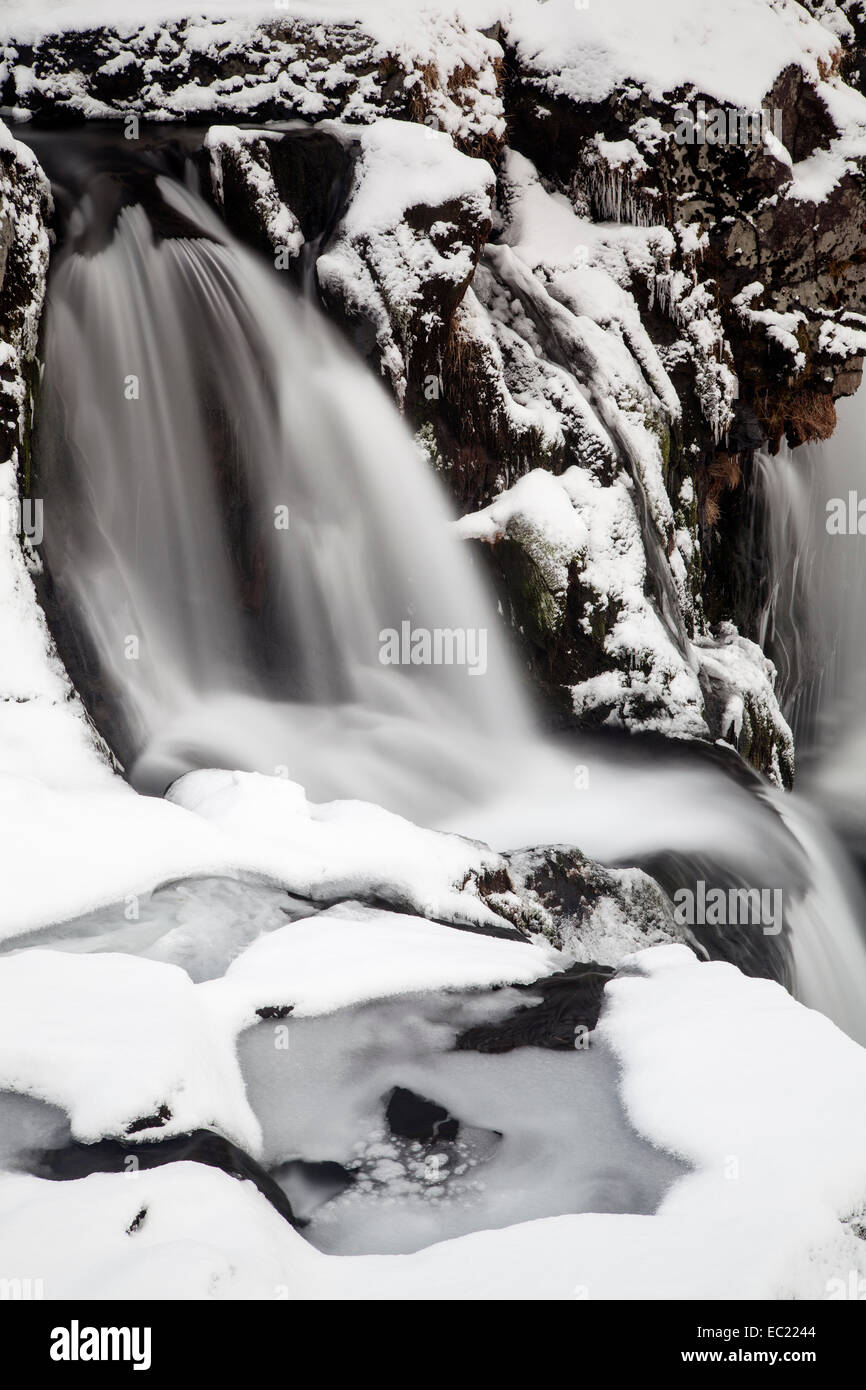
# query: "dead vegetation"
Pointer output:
{"type": "Point", "coordinates": [802, 417]}
{"type": "Point", "coordinates": [723, 474]}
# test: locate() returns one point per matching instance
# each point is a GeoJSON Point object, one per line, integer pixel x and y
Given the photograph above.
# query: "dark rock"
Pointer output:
{"type": "Point", "coordinates": [137, 1222]}
{"type": "Point", "coordinates": [569, 1010]}
{"type": "Point", "coordinates": [156, 73]}
{"type": "Point", "coordinates": [201, 1146]}
{"type": "Point", "coordinates": [162, 1117]}
{"type": "Point", "coordinates": [414, 1117]}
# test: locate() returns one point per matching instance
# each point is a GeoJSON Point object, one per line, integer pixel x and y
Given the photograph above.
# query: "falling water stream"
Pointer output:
{"type": "Point", "coordinates": [236, 514]}
{"type": "Point", "coordinates": [241, 521]}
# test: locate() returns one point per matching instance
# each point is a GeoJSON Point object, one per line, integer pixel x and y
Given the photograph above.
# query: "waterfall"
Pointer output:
{"type": "Point", "coordinates": [813, 625]}
{"type": "Point", "coordinates": [236, 518]}
{"type": "Point", "coordinates": [237, 515]}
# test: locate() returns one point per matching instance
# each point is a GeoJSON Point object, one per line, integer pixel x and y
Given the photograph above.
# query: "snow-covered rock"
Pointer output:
{"type": "Point", "coordinates": [405, 251]}
{"type": "Point", "coordinates": [758, 1209]}
{"type": "Point", "coordinates": [44, 732]}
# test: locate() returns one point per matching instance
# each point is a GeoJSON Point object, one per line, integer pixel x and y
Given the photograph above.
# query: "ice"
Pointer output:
{"type": "Point", "coordinates": [199, 924]}
{"type": "Point", "coordinates": [321, 1084]}
{"type": "Point", "coordinates": [27, 1127]}
{"type": "Point", "coordinates": [559, 1116]}
{"type": "Point", "coordinates": [318, 1083]}
{"type": "Point", "coordinates": [714, 1066]}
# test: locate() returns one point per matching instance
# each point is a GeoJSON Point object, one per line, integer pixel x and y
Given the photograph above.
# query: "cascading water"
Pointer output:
{"type": "Point", "coordinates": [826, 542]}
{"type": "Point", "coordinates": [235, 516]}
{"type": "Point", "coordinates": [812, 626]}
{"type": "Point", "coordinates": [237, 519]}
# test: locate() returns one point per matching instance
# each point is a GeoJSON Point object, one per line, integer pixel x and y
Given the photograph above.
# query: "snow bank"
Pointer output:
{"type": "Point", "coordinates": [347, 956]}
{"type": "Point", "coordinates": [106, 844]}
{"type": "Point", "coordinates": [341, 849]}
{"type": "Point", "coordinates": [732, 52]}
{"type": "Point", "coordinates": [313, 57]}
{"type": "Point", "coordinates": [66, 850]}
{"type": "Point", "coordinates": [717, 1068]}
{"type": "Point", "coordinates": [142, 1045]}
{"type": "Point", "coordinates": [44, 732]}
{"type": "Point", "coordinates": [114, 1040]}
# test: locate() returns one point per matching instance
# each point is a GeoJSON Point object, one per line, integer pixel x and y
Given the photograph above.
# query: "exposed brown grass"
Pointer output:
{"type": "Point", "coordinates": [723, 474]}
{"type": "Point", "coordinates": [827, 70]}
{"type": "Point", "coordinates": [804, 416]}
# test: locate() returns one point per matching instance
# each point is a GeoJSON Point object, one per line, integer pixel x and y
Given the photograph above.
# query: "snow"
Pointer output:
{"type": "Point", "coordinates": [347, 956]}
{"type": "Point", "coordinates": [288, 69]}
{"type": "Point", "coordinates": [732, 53]}
{"type": "Point", "coordinates": [44, 732]}
{"type": "Point", "coordinates": [747, 1103]}
{"type": "Point", "coordinates": [340, 849]}
{"type": "Point", "coordinates": [102, 842]}
{"type": "Point", "coordinates": [377, 262]}
{"type": "Point", "coordinates": [841, 340]}
{"type": "Point", "coordinates": [404, 166]}
{"type": "Point", "coordinates": [579, 277]}
{"type": "Point", "coordinates": [574, 518]}
{"type": "Point", "coordinates": [747, 671]}
{"type": "Point", "coordinates": [245, 148]}
{"type": "Point", "coordinates": [133, 1035]}
{"type": "Point", "coordinates": [106, 844]}
{"type": "Point", "coordinates": [541, 500]}
{"type": "Point", "coordinates": [759, 1215]}
{"type": "Point", "coordinates": [171, 1043]}
{"type": "Point", "coordinates": [780, 328]}
{"type": "Point", "coordinates": [547, 235]}
{"type": "Point", "coordinates": [760, 1210]}
{"type": "Point", "coordinates": [386, 18]}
